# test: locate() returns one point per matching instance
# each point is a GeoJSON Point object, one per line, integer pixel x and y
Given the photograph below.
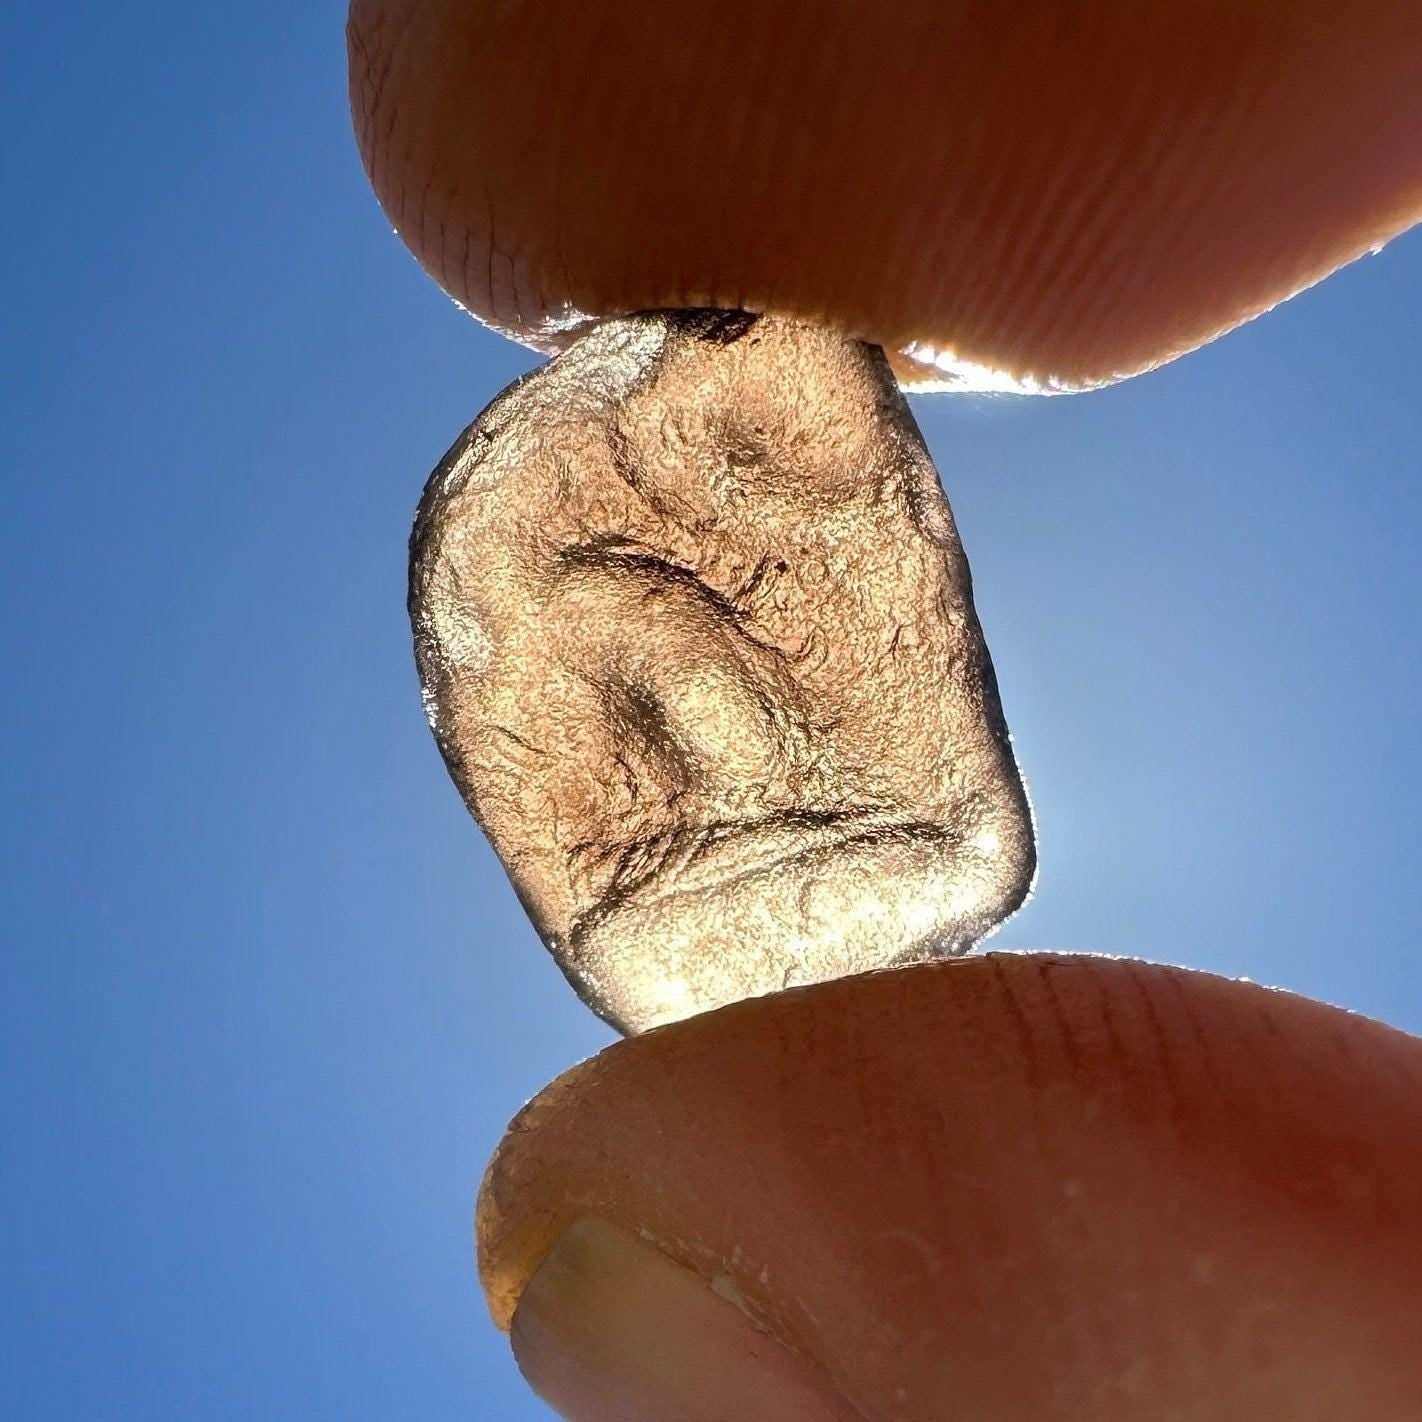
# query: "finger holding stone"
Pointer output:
{"type": "Point", "coordinates": [1041, 193]}
{"type": "Point", "coordinates": [1012, 1186]}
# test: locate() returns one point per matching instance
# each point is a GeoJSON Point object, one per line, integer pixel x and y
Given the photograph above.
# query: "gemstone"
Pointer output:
{"type": "Point", "coordinates": [697, 641]}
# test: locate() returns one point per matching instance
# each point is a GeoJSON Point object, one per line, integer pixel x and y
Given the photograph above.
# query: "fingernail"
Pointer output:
{"type": "Point", "coordinates": [610, 1328]}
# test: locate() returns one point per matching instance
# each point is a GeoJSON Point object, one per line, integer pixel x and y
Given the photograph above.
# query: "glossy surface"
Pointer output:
{"type": "Point", "coordinates": [697, 639]}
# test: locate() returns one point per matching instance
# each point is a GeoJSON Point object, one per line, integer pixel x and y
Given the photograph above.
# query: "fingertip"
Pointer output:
{"type": "Point", "coordinates": [1038, 196]}
{"type": "Point", "coordinates": [1012, 1181]}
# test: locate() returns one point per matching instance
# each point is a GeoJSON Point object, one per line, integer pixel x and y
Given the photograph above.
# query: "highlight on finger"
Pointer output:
{"type": "Point", "coordinates": [1010, 1186]}
{"type": "Point", "coordinates": [1044, 195]}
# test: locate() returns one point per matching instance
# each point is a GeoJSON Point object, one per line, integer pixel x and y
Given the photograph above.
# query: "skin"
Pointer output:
{"type": "Point", "coordinates": [1062, 191]}
{"type": "Point", "coordinates": [1008, 1187]}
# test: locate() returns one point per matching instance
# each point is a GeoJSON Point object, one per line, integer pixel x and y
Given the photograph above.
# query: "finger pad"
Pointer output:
{"type": "Point", "coordinates": [1060, 192]}
{"type": "Point", "coordinates": [1109, 1174]}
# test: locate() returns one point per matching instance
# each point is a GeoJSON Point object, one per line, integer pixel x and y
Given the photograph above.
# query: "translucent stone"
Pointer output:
{"type": "Point", "coordinates": [697, 641]}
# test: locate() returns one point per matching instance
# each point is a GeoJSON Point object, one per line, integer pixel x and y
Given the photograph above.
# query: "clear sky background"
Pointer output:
{"type": "Point", "coordinates": [268, 1000]}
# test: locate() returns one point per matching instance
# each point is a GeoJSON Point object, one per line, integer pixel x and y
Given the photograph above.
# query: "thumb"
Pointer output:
{"type": "Point", "coordinates": [1005, 1187]}
{"type": "Point", "coordinates": [1056, 191]}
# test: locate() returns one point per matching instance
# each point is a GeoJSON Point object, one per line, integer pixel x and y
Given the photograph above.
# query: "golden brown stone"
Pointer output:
{"type": "Point", "coordinates": [697, 641]}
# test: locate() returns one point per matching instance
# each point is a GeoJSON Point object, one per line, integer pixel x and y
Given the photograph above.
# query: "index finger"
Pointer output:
{"type": "Point", "coordinates": [1051, 193]}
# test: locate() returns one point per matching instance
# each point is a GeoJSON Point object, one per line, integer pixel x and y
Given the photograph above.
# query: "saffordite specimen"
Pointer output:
{"type": "Point", "coordinates": [698, 644]}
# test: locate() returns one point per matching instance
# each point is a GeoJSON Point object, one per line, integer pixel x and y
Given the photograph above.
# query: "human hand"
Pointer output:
{"type": "Point", "coordinates": [1008, 1187]}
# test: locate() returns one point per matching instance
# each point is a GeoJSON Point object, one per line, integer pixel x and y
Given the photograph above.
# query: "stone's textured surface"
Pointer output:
{"type": "Point", "coordinates": [697, 641]}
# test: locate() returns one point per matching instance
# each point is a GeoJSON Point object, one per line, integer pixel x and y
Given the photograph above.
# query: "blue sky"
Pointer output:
{"type": "Point", "coordinates": [267, 1000]}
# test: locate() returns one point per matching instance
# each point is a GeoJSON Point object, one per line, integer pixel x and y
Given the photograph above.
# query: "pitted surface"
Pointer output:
{"type": "Point", "coordinates": [697, 641]}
